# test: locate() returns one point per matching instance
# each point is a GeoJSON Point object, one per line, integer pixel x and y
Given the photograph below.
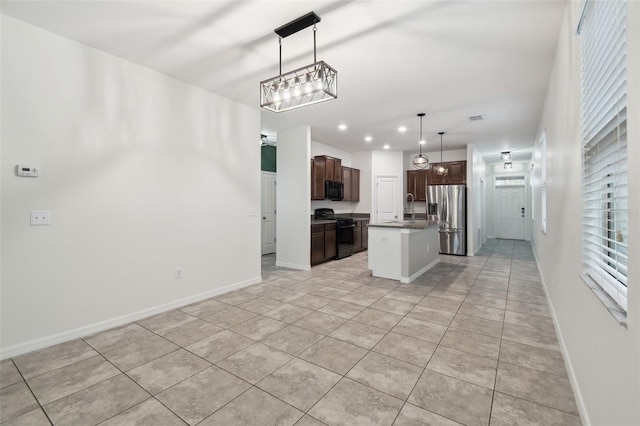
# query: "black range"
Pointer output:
{"type": "Point", "coordinates": [344, 231]}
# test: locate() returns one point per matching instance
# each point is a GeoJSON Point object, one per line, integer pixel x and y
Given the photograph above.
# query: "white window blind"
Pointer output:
{"type": "Point", "coordinates": [604, 147]}
{"type": "Point", "coordinates": [543, 182]}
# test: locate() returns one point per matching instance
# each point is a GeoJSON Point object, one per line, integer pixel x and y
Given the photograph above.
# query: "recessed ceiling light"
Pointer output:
{"type": "Point", "coordinates": [402, 129]}
{"type": "Point", "coordinates": [386, 147]}
{"type": "Point", "coordinates": [368, 138]}
{"type": "Point", "coordinates": [342, 127]}
{"type": "Point", "coordinates": [422, 142]}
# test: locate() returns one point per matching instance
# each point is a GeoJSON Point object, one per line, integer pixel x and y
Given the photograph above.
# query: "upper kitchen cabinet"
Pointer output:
{"type": "Point", "coordinates": [318, 169]}
{"type": "Point", "coordinates": [416, 182]}
{"type": "Point", "coordinates": [346, 181]}
{"type": "Point", "coordinates": [355, 185]}
{"type": "Point", "coordinates": [351, 182]}
{"type": "Point", "coordinates": [457, 174]}
{"type": "Point", "coordinates": [333, 169]}
{"type": "Point", "coordinates": [323, 168]}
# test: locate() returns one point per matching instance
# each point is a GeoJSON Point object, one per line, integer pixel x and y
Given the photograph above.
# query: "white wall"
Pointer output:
{"type": "Point", "coordinates": [318, 148]}
{"type": "Point", "coordinates": [293, 249]}
{"type": "Point", "coordinates": [522, 168]}
{"type": "Point", "coordinates": [362, 161]}
{"type": "Point", "coordinates": [476, 172]}
{"type": "Point", "coordinates": [141, 173]}
{"type": "Point", "coordinates": [604, 357]}
{"type": "Point", "coordinates": [387, 163]}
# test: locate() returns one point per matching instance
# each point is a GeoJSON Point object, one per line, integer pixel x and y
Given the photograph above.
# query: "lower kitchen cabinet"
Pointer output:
{"type": "Point", "coordinates": [330, 244]}
{"type": "Point", "coordinates": [360, 235]}
{"type": "Point", "coordinates": [323, 243]}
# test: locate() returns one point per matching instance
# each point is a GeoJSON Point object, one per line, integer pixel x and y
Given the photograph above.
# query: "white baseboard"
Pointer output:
{"type": "Point", "coordinates": [582, 410]}
{"type": "Point", "coordinates": [87, 330]}
{"type": "Point", "coordinates": [293, 266]}
{"type": "Point", "coordinates": [407, 280]}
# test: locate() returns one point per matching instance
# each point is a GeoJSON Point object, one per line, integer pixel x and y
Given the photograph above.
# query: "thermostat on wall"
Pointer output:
{"type": "Point", "coordinates": [29, 171]}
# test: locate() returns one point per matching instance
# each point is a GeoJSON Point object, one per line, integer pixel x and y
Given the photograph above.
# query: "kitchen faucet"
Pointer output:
{"type": "Point", "coordinates": [411, 208]}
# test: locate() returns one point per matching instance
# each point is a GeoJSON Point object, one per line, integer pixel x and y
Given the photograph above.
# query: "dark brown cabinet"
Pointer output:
{"type": "Point", "coordinates": [360, 235]}
{"type": "Point", "coordinates": [318, 168]}
{"type": "Point", "coordinates": [330, 247]}
{"type": "Point", "coordinates": [325, 168]}
{"type": "Point", "coordinates": [416, 183]}
{"type": "Point", "coordinates": [333, 169]}
{"type": "Point", "coordinates": [365, 234]}
{"type": "Point", "coordinates": [351, 182]}
{"type": "Point", "coordinates": [323, 243]}
{"type": "Point", "coordinates": [355, 185]}
{"type": "Point", "coordinates": [346, 181]}
{"type": "Point", "coordinates": [457, 174]}
{"type": "Point", "coordinates": [317, 244]}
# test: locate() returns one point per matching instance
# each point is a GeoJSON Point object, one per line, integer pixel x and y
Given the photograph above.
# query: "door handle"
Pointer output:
{"type": "Point", "coordinates": [264, 217]}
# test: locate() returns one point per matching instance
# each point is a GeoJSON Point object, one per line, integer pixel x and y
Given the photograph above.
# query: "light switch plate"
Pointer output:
{"type": "Point", "coordinates": [40, 217]}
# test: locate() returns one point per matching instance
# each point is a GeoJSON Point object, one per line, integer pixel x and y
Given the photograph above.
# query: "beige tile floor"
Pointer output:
{"type": "Point", "coordinates": [471, 342]}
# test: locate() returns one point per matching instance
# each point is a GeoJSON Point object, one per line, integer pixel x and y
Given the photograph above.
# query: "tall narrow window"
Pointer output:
{"type": "Point", "coordinates": [604, 147]}
{"type": "Point", "coordinates": [543, 181]}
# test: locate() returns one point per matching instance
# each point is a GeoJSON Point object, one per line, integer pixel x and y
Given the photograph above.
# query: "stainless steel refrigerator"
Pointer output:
{"type": "Point", "coordinates": [447, 203]}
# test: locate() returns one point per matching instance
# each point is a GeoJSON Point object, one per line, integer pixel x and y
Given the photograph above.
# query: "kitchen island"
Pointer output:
{"type": "Point", "coordinates": [403, 250]}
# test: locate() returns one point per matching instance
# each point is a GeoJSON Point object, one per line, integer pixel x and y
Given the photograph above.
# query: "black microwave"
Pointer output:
{"type": "Point", "coordinates": [333, 190]}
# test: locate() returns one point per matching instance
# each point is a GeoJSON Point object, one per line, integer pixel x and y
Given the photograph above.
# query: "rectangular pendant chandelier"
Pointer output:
{"type": "Point", "coordinates": [304, 86]}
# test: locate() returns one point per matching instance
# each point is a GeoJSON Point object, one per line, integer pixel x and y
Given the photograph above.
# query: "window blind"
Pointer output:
{"type": "Point", "coordinates": [604, 146]}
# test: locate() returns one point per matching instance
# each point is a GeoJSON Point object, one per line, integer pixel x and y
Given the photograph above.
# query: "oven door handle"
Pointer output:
{"type": "Point", "coordinates": [346, 226]}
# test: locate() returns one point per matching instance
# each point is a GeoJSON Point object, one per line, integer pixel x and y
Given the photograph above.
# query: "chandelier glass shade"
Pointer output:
{"type": "Point", "coordinates": [440, 169]}
{"type": "Point", "coordinates": [304, 86]}
{"type": "Point", "coordinates": [308, 85]}
{"type": "Point", "coordinates": [420, 161]}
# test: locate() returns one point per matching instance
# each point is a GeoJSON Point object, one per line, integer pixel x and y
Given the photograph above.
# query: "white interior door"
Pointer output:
{"type": "Point", "coordinates": [510, 212]}
{"type": "Point", "coordinates": [268, 212]}
{"type": "Point", "coordinates": [387, 196]}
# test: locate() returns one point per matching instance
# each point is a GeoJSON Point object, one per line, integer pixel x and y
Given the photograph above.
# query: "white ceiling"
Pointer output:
{"type": "Point", "coordinates": [395, 58]}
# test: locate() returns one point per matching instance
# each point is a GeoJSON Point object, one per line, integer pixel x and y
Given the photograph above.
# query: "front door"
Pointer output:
{"type": "Point", "coordinates": [268, 212]}
{"type": "Point", "coordinates": [387, 196]}
{"type": "Point", "coordinates": [510, 212]}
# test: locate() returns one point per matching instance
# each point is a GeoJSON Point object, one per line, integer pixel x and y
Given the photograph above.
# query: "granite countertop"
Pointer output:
{"type": "Point", "coordinates": [322, 222]}
{"type": "Point", "coordinates": [418, 224]}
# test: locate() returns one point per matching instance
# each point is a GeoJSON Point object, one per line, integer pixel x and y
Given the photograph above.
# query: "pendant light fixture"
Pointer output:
{"type": "Point", "coordinates": [304, 86]}
{"type": "Point", "coordinates": [421, 161]}
{"type": "Point", "coordinates": [440, 168]}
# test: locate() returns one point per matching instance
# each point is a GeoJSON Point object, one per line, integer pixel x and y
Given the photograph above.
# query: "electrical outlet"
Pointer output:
{"type": "Point", "coordinates": [178, 272]}
{"type": "Point", "coordinates": [39, 218]}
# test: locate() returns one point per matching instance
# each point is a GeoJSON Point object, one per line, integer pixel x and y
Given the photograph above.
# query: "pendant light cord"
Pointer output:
{"type": "Point", "coordinates": [314, 43]}
{"type": "Point", "coordinates": [280, 47]}
{"type": "Point", "coordinates": [420, 141]}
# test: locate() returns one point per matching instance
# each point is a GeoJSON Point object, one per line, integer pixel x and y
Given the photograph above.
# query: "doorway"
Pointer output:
{"type": "Point", "coordinates": [510, 212]}
{"type": "Point", "coordinates": [387, 197]}
{"type": "Point", "coordinates": [268, 212]}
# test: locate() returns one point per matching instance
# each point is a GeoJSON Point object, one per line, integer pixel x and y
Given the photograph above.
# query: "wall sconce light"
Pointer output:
{"type": "Point", "coordinates": [304, 86]}
{"type": "Point", "coordinates": [508, 165]}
